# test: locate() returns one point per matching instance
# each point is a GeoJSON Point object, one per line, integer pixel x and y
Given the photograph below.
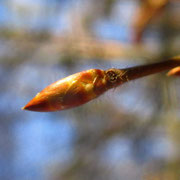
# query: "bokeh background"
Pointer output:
{"type": "Point", "coordinates": [129, 133]}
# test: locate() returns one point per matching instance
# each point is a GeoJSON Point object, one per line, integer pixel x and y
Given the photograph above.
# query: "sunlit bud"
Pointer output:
{"type": "Point", "coordinates": [69, 92]}
{"type": "Point", "coordinates": [84, 86]}
{"type": "Point", "coordinates": [174, 72]}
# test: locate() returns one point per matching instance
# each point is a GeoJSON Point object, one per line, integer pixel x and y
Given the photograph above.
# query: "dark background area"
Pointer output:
{"type": "Point", "coordinates": [129, 133]}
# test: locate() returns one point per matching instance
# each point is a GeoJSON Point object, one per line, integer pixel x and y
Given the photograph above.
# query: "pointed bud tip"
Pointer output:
{"type": "Point", "coordinates": [39, 106]}
{"type": "Point", "coordinates": [23, 108]}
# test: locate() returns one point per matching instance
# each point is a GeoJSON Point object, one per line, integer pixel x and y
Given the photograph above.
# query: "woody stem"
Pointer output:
{"type": "Point", "coordinates": [145, 70]}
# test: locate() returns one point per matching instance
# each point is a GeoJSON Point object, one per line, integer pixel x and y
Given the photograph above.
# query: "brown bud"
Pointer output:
{"type": "Point", "coordinates": [174, 72]}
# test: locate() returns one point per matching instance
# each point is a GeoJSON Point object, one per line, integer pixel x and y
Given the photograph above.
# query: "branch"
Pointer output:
{"type": "Point", "coordinates": [85, 86]}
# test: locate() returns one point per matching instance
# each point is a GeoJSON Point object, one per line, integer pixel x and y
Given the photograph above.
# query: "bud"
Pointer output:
{"type": "Point", "coordinates": [69, 92]}
{"type": "Point", "coordinates": [84, 86]}
{"type": "Point", "coordinates": [174, 72]}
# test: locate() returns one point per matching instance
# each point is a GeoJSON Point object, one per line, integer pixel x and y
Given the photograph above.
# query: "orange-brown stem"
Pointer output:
{"type": "Point", "coordinates": [144, 70]}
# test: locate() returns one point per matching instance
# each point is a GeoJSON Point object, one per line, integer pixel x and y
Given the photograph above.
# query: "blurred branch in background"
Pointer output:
{"type": "Point", "coordinates": [148, 11]}
{"type": "Point", "coordinates": [88, 48]}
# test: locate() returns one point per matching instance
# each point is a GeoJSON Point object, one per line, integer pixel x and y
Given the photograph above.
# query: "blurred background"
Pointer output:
{"type": "Point", "coordinates": [129, 133]}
